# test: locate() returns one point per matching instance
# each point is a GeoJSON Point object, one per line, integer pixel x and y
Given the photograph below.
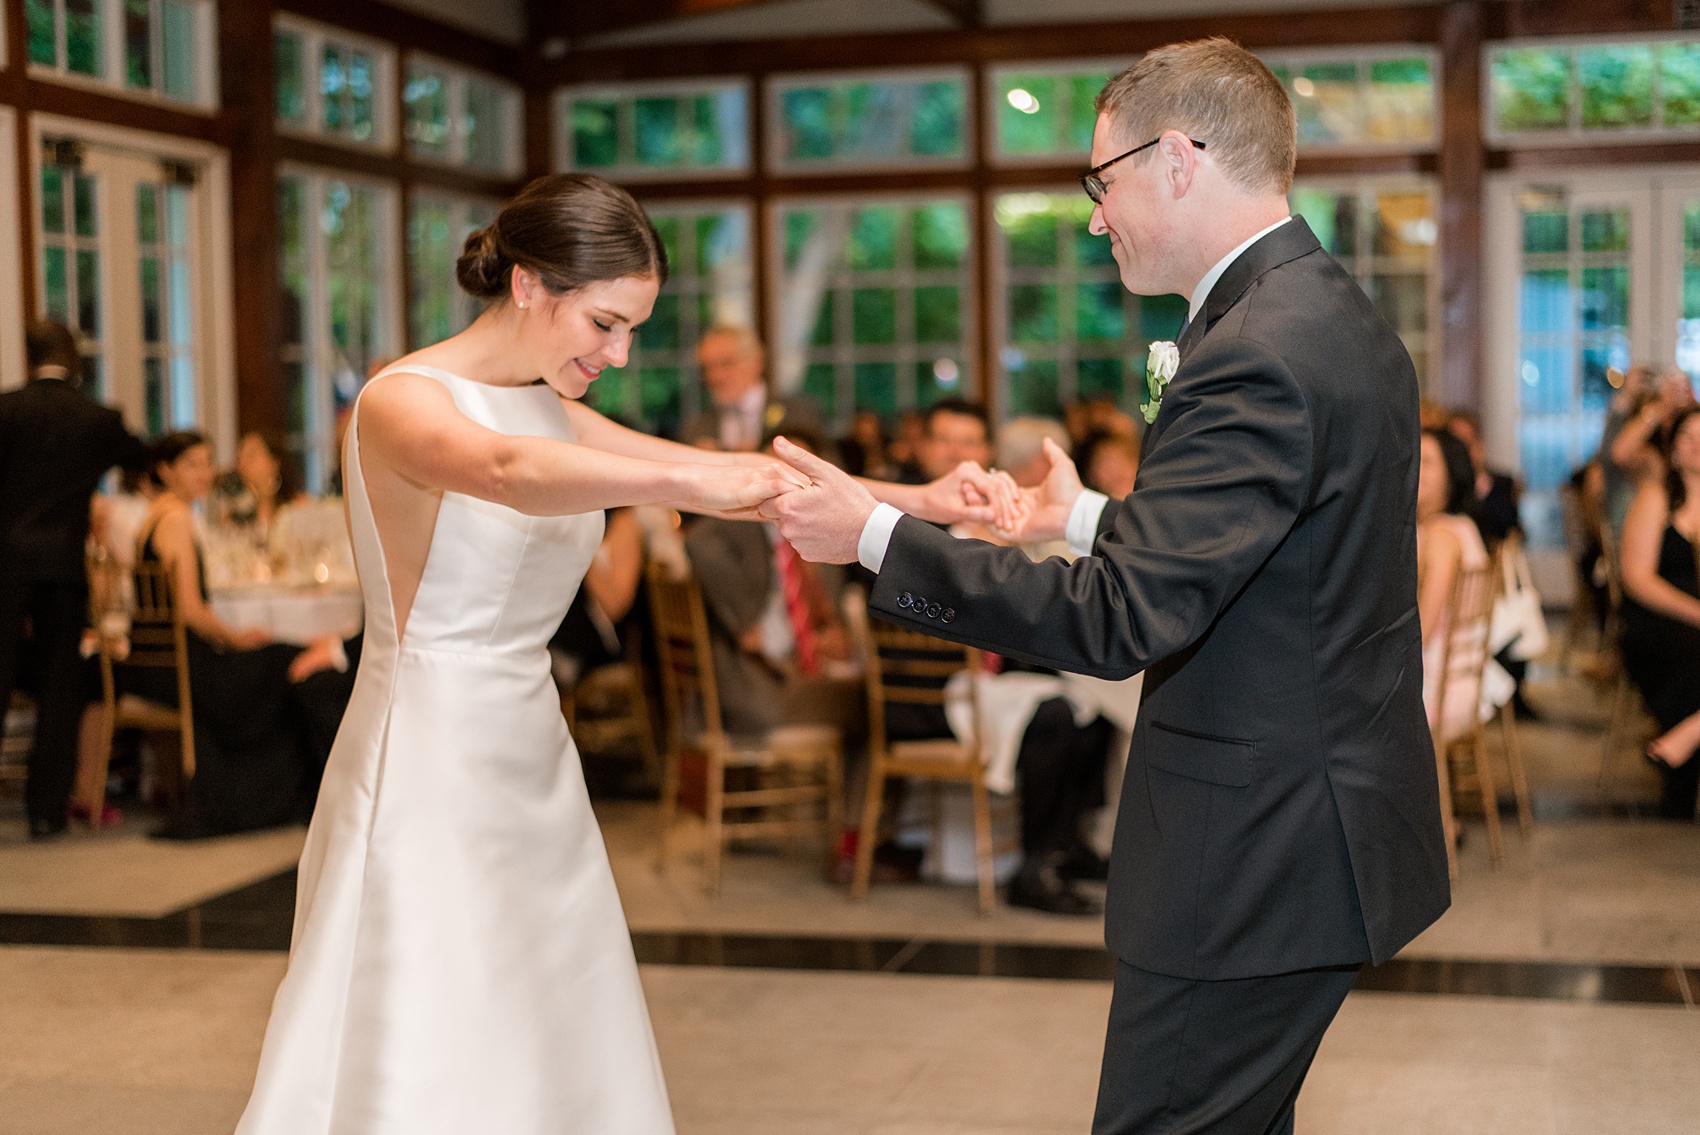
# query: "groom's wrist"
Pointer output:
{"type": "Point", "coordinates": [1082, 528]}
{"type": "Point", "coordinates": [876, 536]}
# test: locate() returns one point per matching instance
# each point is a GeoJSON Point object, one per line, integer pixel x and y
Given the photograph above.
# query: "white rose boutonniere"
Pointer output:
{"type": "Point", "coordinates": [1160, 366]}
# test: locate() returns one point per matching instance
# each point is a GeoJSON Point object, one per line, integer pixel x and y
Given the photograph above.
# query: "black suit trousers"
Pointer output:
{"type": "Point", "coordinates": [1187, 1057]}
{"type": "Point", "coordinates": [57, 610]}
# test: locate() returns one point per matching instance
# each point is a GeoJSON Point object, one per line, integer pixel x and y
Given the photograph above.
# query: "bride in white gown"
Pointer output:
{"type": "Point", "coordinates": [460, 962]}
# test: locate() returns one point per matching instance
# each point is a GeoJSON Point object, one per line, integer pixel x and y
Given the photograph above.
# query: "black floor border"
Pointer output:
{"type": "Point", "coordinates": [260, 917]}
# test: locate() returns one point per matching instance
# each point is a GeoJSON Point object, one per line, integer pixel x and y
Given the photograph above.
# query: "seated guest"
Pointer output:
{"type": "Point", "coordinates": [1496, 492]}
{"type": "Point", "coordinates": [743, 410]}
{"type": "Point", "coordinates": [864, 451]}
{"type": "Point", "coordinates": [1661, 611]}
{"type": "Point", "coordinates": [1447, 544]}
{"type": "Point", "coordinates": [1109, 463]}
{"type": "Point", "coordinates": [952, 431]}
{"type": "Point", "coordinates": [775, 627]}
{"type": "Point", "coordinates": [252, 496]}
{"type": "Point", "coordinates": [904, 450]}
{"type": "Point", "coordinates": [252, 748]}
{"type": "Point", "coordinates": [1021, 448]}
{"type": "Point", "coordinates": [1637, 434]}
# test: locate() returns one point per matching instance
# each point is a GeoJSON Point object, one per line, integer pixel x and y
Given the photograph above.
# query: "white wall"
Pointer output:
{"type": "Point", "coordinates": [502, 20]}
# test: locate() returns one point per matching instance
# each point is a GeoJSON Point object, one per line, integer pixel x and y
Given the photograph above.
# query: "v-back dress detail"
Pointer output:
{"type": "Point", "coordinates": [460, 960]}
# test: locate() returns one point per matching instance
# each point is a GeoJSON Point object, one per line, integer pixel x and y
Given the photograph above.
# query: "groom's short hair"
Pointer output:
{"type": "Point", "coordinates": [1216, 92]}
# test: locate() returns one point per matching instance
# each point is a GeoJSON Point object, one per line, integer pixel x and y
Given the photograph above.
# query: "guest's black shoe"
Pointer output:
{"type": "Point", "coordinates": [1083, 865]}
{"type": "Point", "coordinates": [47, 829]}
{"type": "Point", "coordinates": [1042, 888]}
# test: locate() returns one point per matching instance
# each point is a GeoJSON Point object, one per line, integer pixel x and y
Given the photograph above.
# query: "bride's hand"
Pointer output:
{"type": "Point", "coordinates": [736, 491]}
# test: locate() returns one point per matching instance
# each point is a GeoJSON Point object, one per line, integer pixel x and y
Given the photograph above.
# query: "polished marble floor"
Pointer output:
{"type": "Point", "coordinates": [1557, 997]}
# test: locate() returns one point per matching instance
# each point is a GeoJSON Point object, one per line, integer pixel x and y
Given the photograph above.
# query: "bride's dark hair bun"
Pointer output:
{"type": "Point", "coordinates": [570, 230]}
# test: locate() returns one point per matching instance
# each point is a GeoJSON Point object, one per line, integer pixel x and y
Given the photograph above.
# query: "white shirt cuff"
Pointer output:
{"type": "Point", "coordinates": [876, 536]}
{"type": "Point", "coordinates": [1082, 529]}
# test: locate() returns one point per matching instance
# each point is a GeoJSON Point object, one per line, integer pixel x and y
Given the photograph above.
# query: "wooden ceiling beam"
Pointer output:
{"type": "Point", "coordinates": [550, 18]}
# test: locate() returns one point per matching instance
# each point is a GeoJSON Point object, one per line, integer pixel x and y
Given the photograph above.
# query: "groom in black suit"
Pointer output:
{"type": "Point", "coordinates": [1279, 823]}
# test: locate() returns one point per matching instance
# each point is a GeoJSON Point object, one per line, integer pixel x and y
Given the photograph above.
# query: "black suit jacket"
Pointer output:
{"type": "Point", "coordinates": [55, 446]}
{"type": "Point", "coordinates": [1280, 809]}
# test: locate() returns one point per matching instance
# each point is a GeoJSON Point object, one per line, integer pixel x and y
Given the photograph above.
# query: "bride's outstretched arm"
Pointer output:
{"type": "Point", "coordinates": [967, 494]}
{"type": "Point", "coordinates": [411, 424]}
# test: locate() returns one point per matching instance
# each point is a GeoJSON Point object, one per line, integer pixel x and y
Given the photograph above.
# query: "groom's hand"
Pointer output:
{"type": "Point", "coordinates": [1045, 516]}
{"type": "Point", "coordinates": [823, 521]}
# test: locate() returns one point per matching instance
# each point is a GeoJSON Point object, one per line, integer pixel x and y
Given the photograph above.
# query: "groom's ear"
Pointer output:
{"type": "Point", "coordinates": [1181, 160]}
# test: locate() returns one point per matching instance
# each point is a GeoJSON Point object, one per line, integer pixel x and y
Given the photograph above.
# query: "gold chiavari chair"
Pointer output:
{"type": "Point", "coordinates": [806, 761]}
{"type": "Point", "coordinates": [908, 667]}
{"type": "Point", "coordinates": [1460, 753]}
{"type": "Point", "coordinates": [158, 639]}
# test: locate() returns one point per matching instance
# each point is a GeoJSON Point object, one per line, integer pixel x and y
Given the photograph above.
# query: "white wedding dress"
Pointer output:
{"type": "Point", "coordinates": [460, 961]}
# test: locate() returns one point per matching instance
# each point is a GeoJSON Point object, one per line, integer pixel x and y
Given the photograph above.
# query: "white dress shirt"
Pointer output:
{"type": "Point", "coordinates": [1082, 528]}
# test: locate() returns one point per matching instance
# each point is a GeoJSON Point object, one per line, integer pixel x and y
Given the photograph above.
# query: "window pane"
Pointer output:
{"type": "Point", "coordinates": [1099, 377]}
{"type": "Point", "coordinates": [1546, 232]}
{"type": "Point", "coordinates": [360, 91]}
{"type": "Point", "coordinates": [333, 87]}
{"type": "Point", "coordinates": [1028, 109]}
{"type": "Point", "coordinates": [1399, 104]}
{"type": "Point", "coordinates": [858, 121]}
{"type": "Point", "coordinates": [876, 387]}
{"type": "Point", "coordinates": [82, 36]}
{"type": "Point", "coordinates": [873, 241]}
{"type": "Point", "coordinates": [88, 293]}
{"type": "Point", "coordinates": [153, 394]}
{"type": "Point", "coordinates": [431, 254]}
{"type": "Point", "coordinates": [936, 130]}
{"type": "Point", "coordinates": [1033, 389]}
{"type": "Point", "coordinates": [426, 97]}
{"type": "Point", "coordinates": [940, 235]}
{"type": "Point", "coordinates": [1098, 311]}
{"type": "Point", "coordinates": [287, 53]}
{"type": "Point", "coordinates": [138, 43]}
{"type": "Point", "coordinates": [147, 214]}
{"type": "Point", "coordinates": [1326, 103]}
{"type": "Point", "coordinates": [659, 394]}
{"type": "Point", "coordinates": [82, 195]}
{"type": "Point", "coordinates": [1679, 73]}
{"type": "Point", "coordinates": [938, 314]}
{"type": "Point", "coordinates": [486, 131]}
{"type": "Point", "coordinates": [43, 32]}
{"type": "Point", "coordinates": [1605, 230]}
{"type": "Point", "coordinates": [1617, 85]}
{"type": "Point", "coordinates": [150, 300]}
{"type": "Point", "coordinates": [657, 131]}
{"type": "Point", "coordinates": [703, 143]}
{"type": "Point", "coordinates": [52, 199]}
{"type": "Point", "coordinates": [1531, 88]}
{"type": "Point", "coordinates": [596, 138]}
{"type": "Point", "coordinates": [178, 48]}
{"type": "Point", "coordinates": [58, 288]}
{"type": "Point", "coordinates": [820, 382]}
{"type": "Point", "coordinates": [1033, 313]}
{"type": "Point", "coordinates": [661, 332]}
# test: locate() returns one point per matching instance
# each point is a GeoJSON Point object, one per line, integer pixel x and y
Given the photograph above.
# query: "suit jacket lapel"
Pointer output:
{"type": "Point", "coordinates": [1289, 242]}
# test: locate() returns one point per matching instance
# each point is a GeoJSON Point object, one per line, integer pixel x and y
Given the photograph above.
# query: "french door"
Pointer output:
{"type": "Point", "coordinates": [125, 256]}
{"type": "Point", "coordinates": [1589, 272]}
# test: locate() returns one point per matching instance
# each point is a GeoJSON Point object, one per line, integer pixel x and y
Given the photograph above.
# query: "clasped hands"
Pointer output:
{"type": "Point", "coordinates": [824, 518]}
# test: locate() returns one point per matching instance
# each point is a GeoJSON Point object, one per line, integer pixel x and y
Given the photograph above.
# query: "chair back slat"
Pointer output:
{"type": "Point", "coordinates": [156, 626]}
{"type": "Point", "coordinates": [910, 668]}
{"type": "Point", "coordinates": [688, 691]}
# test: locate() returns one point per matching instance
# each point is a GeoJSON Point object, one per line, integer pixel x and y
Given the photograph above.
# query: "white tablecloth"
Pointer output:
{"type": "Point", "coordinates": [292, 614]}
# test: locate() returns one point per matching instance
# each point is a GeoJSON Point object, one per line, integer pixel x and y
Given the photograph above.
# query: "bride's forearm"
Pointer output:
{"type": "Point", "coordinates": [541, 477]}
{"type": "Point", "coordinates": [600, 432]}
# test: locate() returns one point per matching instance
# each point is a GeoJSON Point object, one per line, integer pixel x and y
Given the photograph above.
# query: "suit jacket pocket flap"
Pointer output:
{"type": "Point", "coordinates": [1213, 760]}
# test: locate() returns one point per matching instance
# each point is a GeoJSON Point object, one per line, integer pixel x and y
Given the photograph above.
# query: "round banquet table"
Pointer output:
{"type": "Point", "coordinates": [292, 614]}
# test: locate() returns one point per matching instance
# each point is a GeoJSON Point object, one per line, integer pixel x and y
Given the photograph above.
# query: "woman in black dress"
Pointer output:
{"type": "Point", "coordinates": [1661, 610]}
{"type": "Point", "coordinates": [252, 744]}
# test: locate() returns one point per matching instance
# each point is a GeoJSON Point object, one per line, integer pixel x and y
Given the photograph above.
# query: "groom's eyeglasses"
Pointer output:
{"type": "Point", "coordinates": [1094, 185]}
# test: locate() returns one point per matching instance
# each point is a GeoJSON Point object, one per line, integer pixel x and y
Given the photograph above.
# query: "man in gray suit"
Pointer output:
{"type": "Point", "coordinates": [743, 411]}
{"type": "Point", "coordinates": [1280, 820]}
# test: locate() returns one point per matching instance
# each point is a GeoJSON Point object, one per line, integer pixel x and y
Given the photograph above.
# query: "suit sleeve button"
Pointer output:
{"type": "Point", "coordinates": [920, 605]}
{"type": "Point", "coordinates": [906, 600]}
{"type": "Point", "coordinates": [933, 610]}
{"type": "Point", "coordinates": [948, 615]}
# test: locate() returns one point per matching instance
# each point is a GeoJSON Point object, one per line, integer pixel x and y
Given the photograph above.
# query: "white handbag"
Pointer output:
{"type": "Point", "coordinates": [1518, 621]}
